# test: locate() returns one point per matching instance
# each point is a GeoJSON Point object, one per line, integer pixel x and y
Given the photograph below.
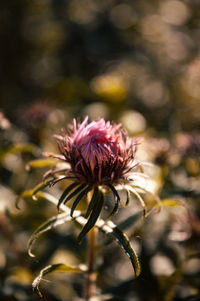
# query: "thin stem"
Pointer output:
{"type": "Point", "coordinates": [90, 277]}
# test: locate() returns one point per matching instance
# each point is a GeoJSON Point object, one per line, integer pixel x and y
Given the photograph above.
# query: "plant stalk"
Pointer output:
{"type": "Point", "coordinates": [90, 276]}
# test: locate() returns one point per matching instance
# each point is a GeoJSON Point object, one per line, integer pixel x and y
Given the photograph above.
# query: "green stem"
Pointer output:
{"type": "Point", "coordinates": [91, 276]}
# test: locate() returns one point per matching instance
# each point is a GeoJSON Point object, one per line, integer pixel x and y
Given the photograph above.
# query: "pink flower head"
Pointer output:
{"type": "Point", "coordinates": [98, 152]}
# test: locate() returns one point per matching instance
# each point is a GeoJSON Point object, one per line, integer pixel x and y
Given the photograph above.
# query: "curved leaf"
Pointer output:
{"type": "Point", "coordinates": [115, 192]}
{"type": "Point", "coordinates": [128, 222]}
{"type": "Point", "coordinates": [92, 202]}
{"type": "Point", "coordinates": [127, 198]}
{"type": "Point", "coordinates": [49, 224]}
{"type": "Point", "coordinates": [116, 198]}
{"type": "Point", "coordinates": [65, 193]}
{"type": "Point", "coordinates": [133, 190]}
{"type": "Point", "coordinates": [155, 196]}
{"type": "Point", "coordinates": [79, 197]}
{"type": "Point", "coordinates": [54, 268]}
{"type": "Point", "coordinates": [41, 186]}
{"type": "Point", "coordinates": [27, 194]}
{"type": "Point", "coordinates": [111, 229]}
{"type": "Point", "coordinates": [30, 194]}
{"type": "Point", "coordinates": [75, 192]}
{"type": "Point", "coordinates": [125, 244]}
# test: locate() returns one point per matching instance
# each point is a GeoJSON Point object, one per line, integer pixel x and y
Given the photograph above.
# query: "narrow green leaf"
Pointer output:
{"type": "Point", "coordinates": [23, 148]}
{"type": "Point", "coordinates": [115, 208]}
{"type": "Point", "coordinates": [79, 197]}
{"type": "Point", "coordinates": [93, 217]}
{"type": "Point", "coordinates": [127, 198]}
{"type": "Point", "coordinates": [111, 229]}
{"type": "Point", "coordinates": [133, 190]}
{"type": "Point", "coordinates": [115, 192]}
{"type": "Point", "coordinates": [54, 268]}
{"type": "Point", "coordinates": [155, 196]}
{"type": "Point", "coordinates": [125, 244]}
{"type": "Point", "coordinates": [39, 163]}
{"type": "Point", "coordinates": [27, 194]}
{"type": "Point", "coordinates": [92, 202]}
{"type": "Point", "coordinates": [127, 223]}
{"type": "Point", "coordinates": [48, 225]}
{"type": "Point", "coordinates": [116, 198]}
{"type": "Point", "coordinates": [171, 203]}
{"type": "Point", "coordinates": [65, 193]}
{"type": "Point", "coordinates": [75, 192]}
{"type": "Point", "coordinates": [41, 186]}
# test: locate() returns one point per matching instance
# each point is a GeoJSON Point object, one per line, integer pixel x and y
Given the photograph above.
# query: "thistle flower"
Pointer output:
{"type": "Point", "coordinates": [100, 155]}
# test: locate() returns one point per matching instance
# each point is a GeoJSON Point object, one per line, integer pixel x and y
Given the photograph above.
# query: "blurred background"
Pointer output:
{"type": "Point", "coordinates": [134, 62]}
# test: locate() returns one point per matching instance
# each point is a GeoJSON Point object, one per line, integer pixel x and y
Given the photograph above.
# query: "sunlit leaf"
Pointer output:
{"type": "Point", "coordinates": [154, 196]}
{"type": "Point", "coordinates": [171, 203]}
{"type": "Point", "coordinates": [127, 198]}
{"type": "Point", "coordinates": [54, 268]}
{"type": "Point", "coordinates": [133, 190]}
{"type": "Point", "coordinates": [41, 186]}
{"type": "Point", "coordinates": [48, 225]}
{"type": "Point", "coordinates": [23, 148]}
{"type": "Point", "coordinates": [27, 194]}
{"type": "Point", "coordinates": [41, 163]}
